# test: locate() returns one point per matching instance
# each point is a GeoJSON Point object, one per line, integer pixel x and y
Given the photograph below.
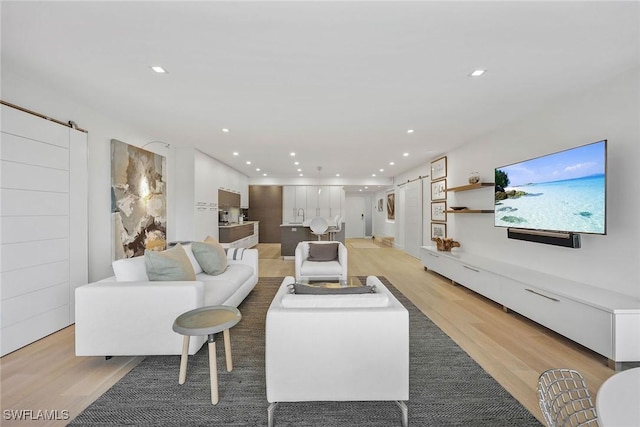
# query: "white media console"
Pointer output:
{"type": "Point", "coordinates": [603, 321]}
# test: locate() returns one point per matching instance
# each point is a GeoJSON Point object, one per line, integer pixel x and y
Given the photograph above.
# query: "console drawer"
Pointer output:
{"type": "Point", "coordinates": [478, 280]}
{"type": "Point", "coordinates": [439, 263]}
{"type": "Point", "coordinates": [581, 323]}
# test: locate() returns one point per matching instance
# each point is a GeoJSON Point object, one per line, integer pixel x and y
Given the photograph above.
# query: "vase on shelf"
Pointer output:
{"type": "Point", "coordinates": [474, 178]}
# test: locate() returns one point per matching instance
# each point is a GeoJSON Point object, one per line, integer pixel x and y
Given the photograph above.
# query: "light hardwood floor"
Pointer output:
{"type": "Point", "coordinates": [46, 375]}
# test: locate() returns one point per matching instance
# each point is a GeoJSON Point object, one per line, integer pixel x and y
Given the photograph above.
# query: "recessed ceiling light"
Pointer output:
{"type": "Point", "coordinates": [337, 174]}
{"type": "Point", "coordinates": [301, 174]}
{"type": "Point", "coordinates": [373, 174]}
{"type": "Point", "coordinates": [477, 73]}
{"type": "Point", "coordinates": [296, 163]}
{"type": "Point", "coordinates": [264, 174]}
{"type": "Point", "coordinates": [381, 170]}
{"type": "Point", "coordinates": [292, 154]}
{"type": "Point", "coordinates": [235, 153]}
{"type": "Point", "coordinates": [410, 131]}
{"type": "Point", "coordinates": [405, 154]}
{"type": "Point", "coordinates": [248, 162]}
{"type": "Point", "coordinates": [366, 187]}
{"type": "Point", "coordinates": [360, 189]}
{"type": "Point", "coordinates": [257, 169]}
{"type": "Point", "coordinates": [225, 130]}
{"type": "Point", "coordinates": [392, 163]}
{"type": "Point", "coordinates": [299, 170]}
{"type": "Point", "coordinates": [158, 69]}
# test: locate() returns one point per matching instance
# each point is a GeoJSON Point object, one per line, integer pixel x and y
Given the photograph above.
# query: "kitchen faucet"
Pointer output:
{"type": "Point", "coordinates": [298, 213]}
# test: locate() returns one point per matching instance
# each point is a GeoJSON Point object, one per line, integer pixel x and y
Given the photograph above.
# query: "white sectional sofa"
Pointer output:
{"type": "Point", "coordinates": [129, 315]}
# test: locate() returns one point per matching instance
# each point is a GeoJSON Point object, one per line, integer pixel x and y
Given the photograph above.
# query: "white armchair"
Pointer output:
{"type": "Point", "coordinates": [320, 270]}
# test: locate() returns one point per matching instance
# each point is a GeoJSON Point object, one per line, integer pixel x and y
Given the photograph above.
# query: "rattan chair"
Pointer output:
{"type": "Point", "coordinates": [565, 400]}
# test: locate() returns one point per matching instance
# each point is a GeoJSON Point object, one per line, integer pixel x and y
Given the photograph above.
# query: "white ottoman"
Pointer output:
{"type": "Point", "coordinates": [350, 349]}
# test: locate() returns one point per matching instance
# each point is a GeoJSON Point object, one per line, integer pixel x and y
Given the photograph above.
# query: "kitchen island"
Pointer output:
{"type": "Point", "coordinates": [293, 233]}
{"type": "Point", "coordinates": [239, 235]}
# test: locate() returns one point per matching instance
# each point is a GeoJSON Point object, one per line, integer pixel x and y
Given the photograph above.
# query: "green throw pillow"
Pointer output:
{"type": "Point", "coordinates": [172, 264]}
{"type": "Point", "coordinates": [210, 256]}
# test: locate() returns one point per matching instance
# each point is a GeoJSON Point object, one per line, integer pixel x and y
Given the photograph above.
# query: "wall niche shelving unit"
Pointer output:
{"type": "Point", "coordinates": [469, 187]}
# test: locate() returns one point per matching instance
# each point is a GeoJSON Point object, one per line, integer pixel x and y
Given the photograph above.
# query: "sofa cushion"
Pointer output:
{"type": "Point", "coordinates": [321, 252]}
{"type": "Point", "coordinates": [211, 257]}
{"type": "Point", "coordinates": [130, 269]}
{"type": "Point", "coordinates": [194, 262]}
{"type": "Point", "coordinates": [219, 288]}
{"type": "Point", "coordinates": [169, 265]}
{"type": "Point", "coordinates": [323, 268]}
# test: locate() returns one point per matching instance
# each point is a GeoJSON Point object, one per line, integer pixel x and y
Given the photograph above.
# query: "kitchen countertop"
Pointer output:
{"type": "Point", "coordinates": [294, 224]}
{"type": "Point", "coordinates": [237, 224]}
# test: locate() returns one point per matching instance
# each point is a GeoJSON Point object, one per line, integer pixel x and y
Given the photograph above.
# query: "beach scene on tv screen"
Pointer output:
{"type": "Point", "coordinates": [564, 191]}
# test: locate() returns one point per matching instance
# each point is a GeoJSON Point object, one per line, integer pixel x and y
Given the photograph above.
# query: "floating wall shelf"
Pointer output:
{"type": "Point", "coordinates": [472, 186]}
{"type": "Point", "coordinates": [468, 187]}
{"type": "Point", "coordinates": [470, 211]}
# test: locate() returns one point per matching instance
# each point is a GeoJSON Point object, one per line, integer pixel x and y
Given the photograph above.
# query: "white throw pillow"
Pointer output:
{"type": "Point", "coordinates": [130, 269]}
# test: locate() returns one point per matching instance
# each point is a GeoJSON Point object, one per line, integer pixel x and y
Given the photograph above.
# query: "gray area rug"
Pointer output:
{"type": "Point", "coordinates": [447, 387]}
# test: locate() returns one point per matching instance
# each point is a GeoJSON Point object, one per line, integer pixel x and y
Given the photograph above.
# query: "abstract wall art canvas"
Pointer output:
{"type": "Point", "coordinates": [391, 206]}
{"type": "Point", "coordinates": [138, 200]}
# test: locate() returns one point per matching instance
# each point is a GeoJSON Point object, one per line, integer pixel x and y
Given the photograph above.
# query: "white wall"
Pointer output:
{"type": "Point", "coordinates": [607, 111]}
{"type": "Point", "coordinates": [610, 110]}
{"type": "Point", "coordinates": [102, 129]}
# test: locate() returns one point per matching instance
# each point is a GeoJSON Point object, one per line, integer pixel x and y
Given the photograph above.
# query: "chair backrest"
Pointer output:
{"type": "Point", "coordinates": [565, 399]}
{"type": "Point", "coordinates": [318, 225]}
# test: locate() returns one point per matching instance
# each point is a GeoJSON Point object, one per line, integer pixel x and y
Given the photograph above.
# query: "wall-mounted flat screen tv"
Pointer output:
{"type": "Point", "coordinates": [563, 192]}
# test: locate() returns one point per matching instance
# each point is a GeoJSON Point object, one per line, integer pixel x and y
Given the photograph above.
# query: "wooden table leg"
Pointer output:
{"type": "Point", "coordinates": [213, 370]}
{"type": "Point", "coordinates": [183, 359]}
{"type": "Point", "coordinates": [227, 349]}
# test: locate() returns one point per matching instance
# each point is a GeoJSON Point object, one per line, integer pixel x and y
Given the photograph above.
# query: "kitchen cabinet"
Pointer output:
{"type": "Point", "coordinates": [239, 235]}
{"type": "Point", "coordinates": [204, 169]}
{"type": "Point", "coordinates": [205, 221]}
{"type": "Point", "coordinates": [227, 199]}
{"type": "Point", "coordinates": [327, 203]}
{"type": "Point", "coordinates": [294, 204]}
{"type": "Point", "coordinates": [194, 213]}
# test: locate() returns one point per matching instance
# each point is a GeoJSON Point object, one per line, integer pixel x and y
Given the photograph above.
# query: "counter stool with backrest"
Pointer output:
{"type": "Point", "coordinates": [319, 226]}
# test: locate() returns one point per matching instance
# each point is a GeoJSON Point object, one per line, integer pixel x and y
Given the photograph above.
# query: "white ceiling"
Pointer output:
{"type": "Point", "coordinates": [338, 83]}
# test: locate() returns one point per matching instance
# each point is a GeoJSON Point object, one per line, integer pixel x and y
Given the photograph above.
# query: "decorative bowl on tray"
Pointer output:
{"type": "Point", "coordinates": [458, 208]}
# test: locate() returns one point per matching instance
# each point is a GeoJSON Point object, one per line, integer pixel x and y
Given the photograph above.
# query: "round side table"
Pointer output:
{"type": "Point", "coordinates": [207, 321]}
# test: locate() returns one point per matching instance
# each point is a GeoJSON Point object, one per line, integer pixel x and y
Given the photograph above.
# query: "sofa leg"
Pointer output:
{"type": "Point", "coordinates": [107, 357]}
{"type": "Point", "coordinates": [270, 410]}
{"type": "Point", "coordinates": [405, 413]}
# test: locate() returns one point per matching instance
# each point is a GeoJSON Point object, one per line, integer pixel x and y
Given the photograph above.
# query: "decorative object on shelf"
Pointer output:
{"type": "Point", "coordinates": [438, 229]}
{"type": "Point", "coordinates": [439, 168]}
{"type": "Point", "coordinates": [439, 211]}
{"type": "Point", "coordinates": [439, 190]}
{"type": "Point", "coordinates": [458, 208]}
{"type": "Point", "coordinates": [445, 245]}
{"type": "Point", "coordinates": [474, 178]}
